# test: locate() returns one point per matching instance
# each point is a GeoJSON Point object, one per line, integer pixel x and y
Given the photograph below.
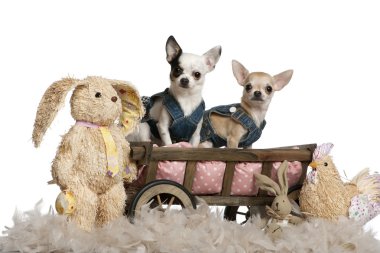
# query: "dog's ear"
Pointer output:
{"type": "Point", "coordinates": [173, 50]}
{"type": "Point", "coordinates": [240, 72]}
{"type": "Point", "coordinates": [282, 79]}
{"type": "Point", "coordinates": [212, 57]}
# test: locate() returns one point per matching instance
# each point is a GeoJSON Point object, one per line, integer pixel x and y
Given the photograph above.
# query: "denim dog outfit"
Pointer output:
{"type": "Point", "coordinates": [182, 127]}
{"type": "Point", "coordinates": [237, 113]}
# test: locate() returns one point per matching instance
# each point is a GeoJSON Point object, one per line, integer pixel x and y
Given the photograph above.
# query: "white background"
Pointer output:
{"type": "Point", "coordinates": [333, 47]}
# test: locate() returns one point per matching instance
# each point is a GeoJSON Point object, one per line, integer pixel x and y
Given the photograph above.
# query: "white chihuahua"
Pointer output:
{"type": "Point", "coordinates": [240, 125]}
{"type": "Point", "coordinates": [176, 114]}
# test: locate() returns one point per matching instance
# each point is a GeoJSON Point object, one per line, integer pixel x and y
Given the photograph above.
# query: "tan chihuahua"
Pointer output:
{"type": "Point", "coordinates": [240, 125]}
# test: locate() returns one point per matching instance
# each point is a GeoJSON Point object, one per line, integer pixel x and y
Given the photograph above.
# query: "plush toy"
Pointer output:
{"type": "Point", "coordinates": [280, 212]}
{"type": "Point", "coordinates": [93, 157]}
{"type": "Point", "coordinates": [325, 195]}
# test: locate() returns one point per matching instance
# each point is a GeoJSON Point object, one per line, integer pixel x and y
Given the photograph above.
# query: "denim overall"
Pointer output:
{"type": "Point", "coordinates": [237, 113]}
{"type": "Point", "coordinates": [182, 127]}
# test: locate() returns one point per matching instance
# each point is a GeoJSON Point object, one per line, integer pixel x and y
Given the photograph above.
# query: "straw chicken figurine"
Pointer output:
{"type": "Point", "coordinates": [325, 195]}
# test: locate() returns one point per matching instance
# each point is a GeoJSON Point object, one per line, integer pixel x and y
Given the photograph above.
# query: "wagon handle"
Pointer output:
{"type": "Point", "coordinates": [141, 152]}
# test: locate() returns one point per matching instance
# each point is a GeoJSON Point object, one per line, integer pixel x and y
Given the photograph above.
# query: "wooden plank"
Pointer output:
{"type": "Point", "coordinates": [266, 170]}
{"type": "Point", "coordinates": [227, 179]}
{"type": "Point", "coordinates": [189, 175]}
{"type": "Point", "coordinates": [144, 148]}
{"type": "Point", "coordinates": [222, 154]}
{"type": "Point", "coordinates": [237, 200]}
{"type": "Point", "coordinates": [137, 153]}
{"type": "Point", "coordinates": [151, 171]}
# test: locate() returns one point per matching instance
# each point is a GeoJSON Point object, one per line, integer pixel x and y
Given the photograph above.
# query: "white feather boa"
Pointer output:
{"type": "Point", "coordinates": [201, 230]}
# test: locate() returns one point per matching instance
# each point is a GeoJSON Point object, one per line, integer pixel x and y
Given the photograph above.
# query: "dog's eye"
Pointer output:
{"type": "Point", "coordinates": [248, 87]}
{"type": "Point", "coordinates": [326, 164]}
{"type": "Point", "coordinates": [197, 75]}
{"type": "Point", "coordinates": [98, 94]}
{"type": "Point", "coordinates": [269, 89]}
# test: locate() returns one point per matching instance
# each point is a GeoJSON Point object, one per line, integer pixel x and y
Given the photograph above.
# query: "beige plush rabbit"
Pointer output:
{"type": "Point", "coordinates": [93, 157]}
{"type": "Point", "coordinates": [281, 208]}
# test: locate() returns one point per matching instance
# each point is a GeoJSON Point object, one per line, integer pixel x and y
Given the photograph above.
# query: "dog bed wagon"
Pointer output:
{"type": "Point", "coordinates": [161, 190]}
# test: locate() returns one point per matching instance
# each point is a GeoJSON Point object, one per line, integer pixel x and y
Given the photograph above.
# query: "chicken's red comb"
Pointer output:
{"type": "Point", "coordinates": [322, 150]}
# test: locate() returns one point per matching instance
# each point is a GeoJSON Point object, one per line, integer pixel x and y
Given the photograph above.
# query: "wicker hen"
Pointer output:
{"type": "Point", "coordinates": [324, 194]}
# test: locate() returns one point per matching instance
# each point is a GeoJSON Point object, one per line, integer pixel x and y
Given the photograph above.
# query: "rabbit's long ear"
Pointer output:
{"type": "Point", "coordinates": [132, 107]}
{"type": "Point", "coordinates": [267, 184]}
{"type": "Point", "coordinates": [51, 102]}
{"type": "Point", "coordinates": [282, 177]}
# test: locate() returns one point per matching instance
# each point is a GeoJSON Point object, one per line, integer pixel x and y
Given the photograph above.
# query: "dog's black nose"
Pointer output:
{"type": "Point", "coordinates": [257, 94]}
{"type": "Point", "coordinates": [184, 82]}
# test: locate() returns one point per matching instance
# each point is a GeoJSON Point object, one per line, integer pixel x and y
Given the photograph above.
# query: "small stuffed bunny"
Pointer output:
{"type": "Point", "coordinates": [281, 208]}
{"type": "Point", "coordinates": [93, 157]}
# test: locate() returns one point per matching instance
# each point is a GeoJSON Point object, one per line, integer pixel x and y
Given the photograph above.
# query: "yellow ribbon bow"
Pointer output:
{"type": "Point", "coordinates": [111, 151]}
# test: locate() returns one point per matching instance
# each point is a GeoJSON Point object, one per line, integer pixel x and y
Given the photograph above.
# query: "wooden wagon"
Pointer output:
{"type": "Point", "coordinates": [166, 193]}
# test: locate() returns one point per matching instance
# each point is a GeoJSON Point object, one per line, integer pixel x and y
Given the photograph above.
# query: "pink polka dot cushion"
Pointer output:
{"type": "Point", "coordinates": [243, 182]}
{"type": "Point", "coordinates": [294, 172]}
{"type": "Point", "coordinates": [173, 170]}
{"type": "Point", "coordinates": [208, 178]}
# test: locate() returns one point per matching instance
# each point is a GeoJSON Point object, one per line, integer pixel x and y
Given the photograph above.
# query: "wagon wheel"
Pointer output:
{"type": "Point", "coordinates": [163, 195]}
{"type": "Point", "coordinates": [241, 214]}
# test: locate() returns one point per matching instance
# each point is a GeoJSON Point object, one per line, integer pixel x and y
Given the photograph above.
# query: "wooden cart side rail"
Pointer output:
{"type": "Point", "coordinates": [227, 179]}
{"type": "Point", "coordinates": [221, 154]}
{"type": "Point", "coordinates": [238, 200]}
{"type": "Point", "coordinates": [266, 170]}
{"type": "Point", "coordinates": [260, 200]}
{"type": "Point", "coordinates": [189, 175]}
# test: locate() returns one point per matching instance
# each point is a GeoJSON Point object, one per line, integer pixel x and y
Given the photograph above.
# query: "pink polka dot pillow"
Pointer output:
{"type": "Point", "coordinates": [208, 178]}
{"type": "Point", "coordinates": [173, 170]}
{"type": "Point", "coordinates": [243, 182]}
{"type": "Point", "coordinates": [294, 172]}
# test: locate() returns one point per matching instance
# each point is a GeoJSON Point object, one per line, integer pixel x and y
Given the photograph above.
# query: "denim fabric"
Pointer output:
{"type": "Point", "coordinates": [238, 114]}
{"type": "Point", "coordinates": [182, 127]}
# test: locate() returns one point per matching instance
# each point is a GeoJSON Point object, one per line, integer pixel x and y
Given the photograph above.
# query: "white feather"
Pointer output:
{"type": "Point", "coordinates": [198, 230]}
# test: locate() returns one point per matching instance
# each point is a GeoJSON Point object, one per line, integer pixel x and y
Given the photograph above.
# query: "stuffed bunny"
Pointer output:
{"type": "Point", "coordinates": [93, 157]}
{"type": "Point", "coordinates": [281, 208]}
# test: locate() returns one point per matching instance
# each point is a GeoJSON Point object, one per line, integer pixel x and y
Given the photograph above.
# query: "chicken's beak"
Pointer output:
{"type": "Point", "coordinates": [313, 164]}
